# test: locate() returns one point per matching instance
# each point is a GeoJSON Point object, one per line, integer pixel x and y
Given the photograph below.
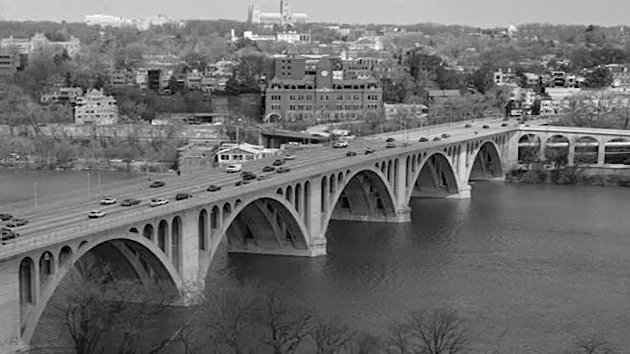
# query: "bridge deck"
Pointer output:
{"type": "Point", "coordinates": [66, 219]}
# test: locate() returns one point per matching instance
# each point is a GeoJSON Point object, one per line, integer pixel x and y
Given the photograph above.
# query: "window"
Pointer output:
{"type": "Point", "coordinates": [309, 97]}
{"type": "Point", "coordinates": [300, 107]}
{"type": "Point", "coordinates": [309, 107]}
{"type": "Point", "coordinates": [339, 106]}
{"type": "Point", "coordinates": [339, 97]}
{"type": "Point", "coordinates": [348, 97]}
{"type": "Point", "coordinates": [300, 97]}
{"type": "Point", "coordinates": [275, 107]}
{"type": "Point", "coordinates": [356, 97]}
{"type": "Point", "coordinates": [291, 107]}
{"type": "Point", "coordinates": [292, 98]}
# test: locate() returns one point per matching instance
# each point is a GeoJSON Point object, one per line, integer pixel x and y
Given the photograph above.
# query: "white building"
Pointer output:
{"type": "Point", "coordinates": [413, 110]}
{"type": "Point", "coordinates": [62, 95]}
{"type": "Point", "coordinates": [238, 153]}
{"type": "Point", "coordinates": [141, 24]}
{"type": "Point", "coordinates": [96, 108]}
{"type": "Point", "coordinates": [38, 41]}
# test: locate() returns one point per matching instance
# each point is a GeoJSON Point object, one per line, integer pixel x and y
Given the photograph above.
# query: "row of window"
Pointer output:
{"type": "Point", "coordinates": [324, 116]}
{"type": "Point", "coordinates": [324, 97]}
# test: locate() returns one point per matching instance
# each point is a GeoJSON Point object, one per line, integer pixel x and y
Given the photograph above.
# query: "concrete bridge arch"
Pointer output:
{"type": "Point", "coordinates": [341, 184]}
{"type": "Point", "coordinates": [69, 255]}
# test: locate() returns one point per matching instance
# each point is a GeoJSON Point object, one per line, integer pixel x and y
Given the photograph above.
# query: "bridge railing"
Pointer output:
{"type": "Point", "coordinates": [428, 128]}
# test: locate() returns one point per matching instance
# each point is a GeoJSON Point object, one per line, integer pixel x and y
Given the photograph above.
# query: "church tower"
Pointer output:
{"type": "Point", "coordinates": [285, 12]}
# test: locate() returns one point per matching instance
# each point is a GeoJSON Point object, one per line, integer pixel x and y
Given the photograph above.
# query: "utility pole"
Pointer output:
{"type": "Point", "coordinates": [89, 188]}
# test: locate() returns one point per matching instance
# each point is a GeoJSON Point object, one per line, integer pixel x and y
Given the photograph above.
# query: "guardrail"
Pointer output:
{"type": "Point", "coordinates": [108, 226]}
{"type": "Point", "coordinates": [431, 127]}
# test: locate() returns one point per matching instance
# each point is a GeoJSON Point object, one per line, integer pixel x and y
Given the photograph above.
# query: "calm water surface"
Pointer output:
{"type": "Point", "coordinates": [547, 263]}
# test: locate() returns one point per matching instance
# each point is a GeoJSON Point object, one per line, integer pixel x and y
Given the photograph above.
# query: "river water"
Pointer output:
{"type": "Point", "coordinates": [545, 264]}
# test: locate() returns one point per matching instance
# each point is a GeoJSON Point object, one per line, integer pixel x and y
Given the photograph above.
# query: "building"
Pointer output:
{"type": "Point", "coordinates": [62, 95]}
{"type": "Point", "coordinates": [293, 37]}
{"type": "Point", "coordinates": [366, 43]}
{"type": "Point", "coordinates": [443, 96]}
{"type": "Point", "coordinates": [504, 78]}
{"type": "Point", "coordinates": [293, 96]}
{"type": "Point", "coordinates": [620, 75]}
{"type": "Point", "coordinates": [284, 17]}
{"type": "Point", "coordinates": [242, 152]}
{"type": "Point", "coordinates": [142, 24]}
{"type": "Point", "coordinates": [393, 111]}
{"type": "Point", "coordinates": [9, 62]}
{"type": "Point", "coordinates": [96, 108]}
{"type": "Point", "coordinates": [38, 41]}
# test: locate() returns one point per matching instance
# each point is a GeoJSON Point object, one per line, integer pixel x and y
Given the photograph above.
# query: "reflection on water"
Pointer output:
{"type": "Point", "coordinates": [547, 263]}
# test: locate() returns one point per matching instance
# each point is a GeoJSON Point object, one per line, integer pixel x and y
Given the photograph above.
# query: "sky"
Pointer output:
{"type": "Point", "coordinates": [482, 13]}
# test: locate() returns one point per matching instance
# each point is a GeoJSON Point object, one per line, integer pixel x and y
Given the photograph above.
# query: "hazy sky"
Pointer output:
{"type": "Point", "coordinates": [485, 13]}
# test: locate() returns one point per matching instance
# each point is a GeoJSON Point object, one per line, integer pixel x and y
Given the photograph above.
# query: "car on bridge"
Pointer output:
{"type": "Point", "coordinates": [17, 223]}
{"type": "Point", "coordinates": [468, 125]}
{"type": "Point", "coordinates": [248, 175]}
{"type": "Point", "coordinates": [278, 162]}
{"type": "Point", "coordinates": [486, 126]}
{"type": "Point", "coordinates": [390, 145]}
{"type": "Point", "coordinates": [351, 153]}
{"type": "Point", "coordinates": [437, 138]}
{"type": "Point", "coordinates": [369, 151]}
{"type": "Point", "coordinates": [268, 169]}
{"type": "Point", "coordinates": [130, 202]}
{"type": "Point", "coordinates": [445, 136]}
{"type": "Point", "coordinates": [340, 144]}
{"type": "Point", "coordinates": [155, 202]}
{"type": "Point", "coordinates": [242, 182]}
{"type": "Point", "coordinates": [390, 140]}
{"type": "Point", "coordinates": [8, 234]}
{"type": "Point", "coordinates": [283, 170]}
{"type": "Point", "coordinates": [157, 184]}
{"type": "Point", "coordinates": [504, 124]}
{"type": "Point", "coordinates": [233, 168]}
{"type": "Point", "coordinates": [213, 188]}
{"type": "Point", "coordinates": [5, 216]}
{"type": "Point", "coordinates": [289, 157]}
{"type": "Point", "coordinates": [182, 196]}
{"type": "Point", "coordinates": [95, 214]}
{"type": "Point", "coordinates": [263, 177]}
{"type": "Point", "coordinates": [423, 140]}
{"type": "Point", "coordinates": [108, 201]}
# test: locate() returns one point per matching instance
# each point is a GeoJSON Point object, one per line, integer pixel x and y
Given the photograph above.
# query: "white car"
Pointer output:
{"type": "Point", "coordinates": [340, 144]}
{"type": "Point", "coordinates": [289, 157]}
{"type": "Point", "coordinates": [108, 201]}
{"type": "Point", "coordinates": [237, 167]}
{"type": "Point", "coordinates": [95, 214]}
{"type": "Point", "coordinates": [158, 201]}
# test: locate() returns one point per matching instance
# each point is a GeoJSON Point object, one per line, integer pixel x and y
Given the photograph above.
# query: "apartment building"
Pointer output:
{"type": "Point", "coordinates": [9, 62]}
{"type": "Point", "coordinates": [96, 108]}
{"type": "Point", "coordinates": [62, 95]}
{"type": "Point", "coordinates": [293, 96]}
{"type": "Point", "coordinates": [620, 75]}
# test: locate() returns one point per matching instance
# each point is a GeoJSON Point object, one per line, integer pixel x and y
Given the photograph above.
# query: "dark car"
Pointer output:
{"type": "Point", "coordinates": [437, 138]}
{"type": "Point", "coordinates": [247, 175]}
{"type": "Point", "coordinates": [8, 235]}
{"type": "Point", "coordinates": [351, 153]}
{"type": "Point", "coordinates": [182, 196]}
{"type": "Point", "coordinates": [268, 169]}
{"type": "Point", "coordinates": [369, 151]}
{"type": "Point", "coordinates": [504, 124]}
{"type": "Point", "coordinates": [278, 163]}
{"type": "Point", "coordinates": [390, 145]}
{"type": "Point", "coordinates": [157, 184]}
{"type": "Point", "coordinates": [5, 216]}
{"type": "Point", "coordinates": [17, 223]}
{"type": "Point", "coordinates": [486, 127]}
{"type": "Point", "coordinates": [423, 140]}
{"type": "Point", "coordinates": [214, 188]}
{"type": "Point", "coordinates": [130, 202]}
{"type": "Point", "coordinates": [390, 140]}
{"type": "Point", "coordinates": [283, 169]}
{"type": "Point", "coordinates": [445, 136]}
{"type": "Point", "coordinates": [468, 125]}
{"type": "Point", "coordinates": [242, 182]}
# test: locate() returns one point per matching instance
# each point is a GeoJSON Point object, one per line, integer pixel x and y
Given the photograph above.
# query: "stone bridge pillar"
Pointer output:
{"type": "Point", "coordinates": [601, 151]}
{"type": "Point", "coordinates": [403, 211]}
{"type": "Point", "coordinates": [462, 172]}
{"type": "Point", "coordinates": [571, 154]}
{"type": "Point", "coordinates": [193, 282]}
{"type": "Point", "coordinates": [10, 311]}
{"type": "Point", "coordinates": [314, 219]}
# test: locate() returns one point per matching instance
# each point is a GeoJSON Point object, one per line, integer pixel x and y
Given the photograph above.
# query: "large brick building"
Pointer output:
{"type": "Point", "coordinates": [293, 95]}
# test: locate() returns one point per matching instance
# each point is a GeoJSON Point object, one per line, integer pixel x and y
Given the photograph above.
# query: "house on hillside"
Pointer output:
{"type": "Point", "coordinates": [442, 96]}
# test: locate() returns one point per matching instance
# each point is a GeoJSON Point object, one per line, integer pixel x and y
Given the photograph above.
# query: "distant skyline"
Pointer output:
{"type": "Point", "coordinates": [479, 13]}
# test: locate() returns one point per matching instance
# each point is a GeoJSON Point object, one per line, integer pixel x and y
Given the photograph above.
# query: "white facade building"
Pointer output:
{"type": "Point", "coordinates": [243, 152]}
{"type": "Point", "coordinates": [96, 108]}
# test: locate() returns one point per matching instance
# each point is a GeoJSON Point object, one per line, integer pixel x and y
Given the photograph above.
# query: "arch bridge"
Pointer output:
{"type": "Point", "coordinates": [285, 215]}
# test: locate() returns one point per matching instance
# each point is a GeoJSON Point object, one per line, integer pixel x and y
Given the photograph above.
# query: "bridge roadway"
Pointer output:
{"type": "Point", "coordinates": [72, 214]}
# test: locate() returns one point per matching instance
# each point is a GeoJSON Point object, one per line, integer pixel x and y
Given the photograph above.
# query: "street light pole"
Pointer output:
{"type": "Point", "coordinates": [35, 192]}
{"type": "Point", "coordinates": [89, 190]}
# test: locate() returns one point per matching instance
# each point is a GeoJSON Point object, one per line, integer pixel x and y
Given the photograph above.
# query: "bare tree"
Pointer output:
{"type": "Point", "coordinates": [331, 337]}
{"type": "Point", "coordinates": [229, 314]}
{"type": "Point", "coordinates": [440, 331]}
{"type": "Point", "coordinates": [398, 337]}
{"type": "Point", "coordinates": [593, 345]}
{"type": "Point", "coordinates": [285, 326]}
{"type": "Point", "coordinates": [365, 343]}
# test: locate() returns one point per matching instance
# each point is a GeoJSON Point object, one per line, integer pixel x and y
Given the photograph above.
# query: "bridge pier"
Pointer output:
{"type": "Point", "coordinates": [462, 193]}
{"type": "Point", "coordinates": [10, 308]}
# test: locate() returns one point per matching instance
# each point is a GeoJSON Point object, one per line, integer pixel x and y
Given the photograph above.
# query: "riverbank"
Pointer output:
{"type": "Point", "coordinates": [115, 165]}
{"type": "Point", "coordinates": [604, 176]}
